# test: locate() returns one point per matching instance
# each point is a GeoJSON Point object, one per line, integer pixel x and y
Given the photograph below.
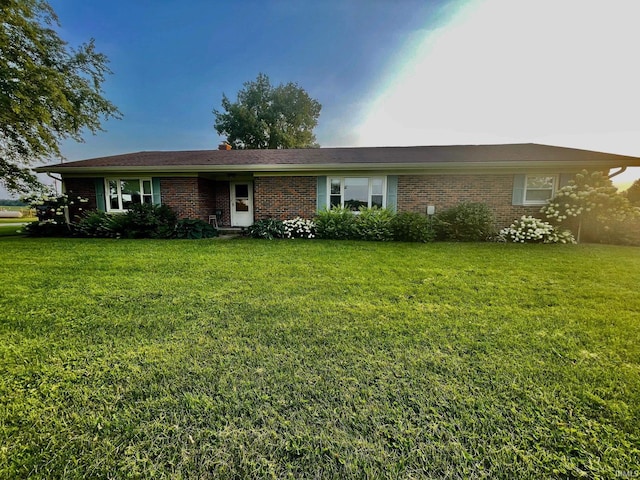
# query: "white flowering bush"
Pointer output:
{"type": "Point", "coordinates": [533, 230]}
{"type": "Point", "coordinates": [55, 208]}
{"type": "Point", "coordinates": [592, 207]}
{"type": "Point", "coordinates": [299, 228]}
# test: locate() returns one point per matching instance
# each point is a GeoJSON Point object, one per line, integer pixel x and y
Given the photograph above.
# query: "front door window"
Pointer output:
{"type": "Point", "coordinates": [242, 197]}
{"type": "Point", "coordinates": [241, 204]}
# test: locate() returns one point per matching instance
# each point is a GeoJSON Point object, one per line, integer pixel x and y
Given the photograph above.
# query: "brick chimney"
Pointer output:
{"type": "Point", "coordinates": [224, 146]}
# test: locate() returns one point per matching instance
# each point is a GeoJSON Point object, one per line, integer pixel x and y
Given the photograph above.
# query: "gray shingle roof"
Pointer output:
{"type": "Point", "coordinates": [364, 156]}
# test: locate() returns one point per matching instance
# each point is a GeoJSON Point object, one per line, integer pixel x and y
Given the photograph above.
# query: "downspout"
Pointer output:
{"type": "Point", "coordinates": [55, 178]}
{"type": "Point", "coordinates": [615, 174]}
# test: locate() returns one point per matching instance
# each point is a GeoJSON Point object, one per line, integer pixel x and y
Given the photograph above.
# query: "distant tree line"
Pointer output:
{"type": "Point", "coordinates": [8, 202]}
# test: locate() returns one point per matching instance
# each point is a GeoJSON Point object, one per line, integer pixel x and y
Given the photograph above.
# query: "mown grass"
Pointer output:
{"type": "Point", "coordinates": [8, 230]}
{"type": "Point", "coordinates": [256, 359]}
{"type": "Point", "coordinates": [17, 220]}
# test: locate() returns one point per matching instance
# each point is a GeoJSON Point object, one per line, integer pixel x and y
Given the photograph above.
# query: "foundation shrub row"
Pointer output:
{"type": "Point", "coordinates": [589, 207]}
{"type": "Point", "coordinates": [465, 222]}
{"type": "Point", "coordinates": [140, 221]}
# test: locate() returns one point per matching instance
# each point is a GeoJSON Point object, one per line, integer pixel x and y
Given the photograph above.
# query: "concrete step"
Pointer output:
{"type": "Point", "coordinates": [230, 230]}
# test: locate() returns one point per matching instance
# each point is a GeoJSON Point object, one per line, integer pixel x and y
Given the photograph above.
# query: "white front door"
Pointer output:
{"type": "Point", "coordinates": [241, 204]}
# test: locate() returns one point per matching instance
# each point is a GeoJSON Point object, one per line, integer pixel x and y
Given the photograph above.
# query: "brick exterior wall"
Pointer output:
{"type": "Point", "coordinates": [284, 197]}
{"type": "Point", "coordinates": [85, 188]}
{"type": "Point", "coordinates": [206, 198]}
{"type": "Point", "coordinates": [181, 195]}
{"type": "Point", "coordinates": [416, 192]}
{"type": "Point", "coordinates": [189, 197]}
{"type": "Point", "coordinates": [222, 195]}
{"type": "Point", "coordinates": [288, 197]}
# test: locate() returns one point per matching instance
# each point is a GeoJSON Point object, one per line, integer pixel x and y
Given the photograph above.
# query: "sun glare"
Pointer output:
{"type": "Point", "coordinates": [504, 70]}
{"type": "Point", "coordinates": [545, 71]}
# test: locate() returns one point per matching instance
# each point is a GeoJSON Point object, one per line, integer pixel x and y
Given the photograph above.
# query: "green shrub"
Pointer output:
{"type": "Point", "coordinates": [412, 227]}
{"type": "Point", "coordinates": [143, 221]}
{"type": "Point", "coordinates": [466, 222]}
{"type": "Point", "coordinates": [194, 229]}
{"type": "Point", "coordinates": [336, 223]}
{"type": "Point", "coordinates": [93, 224]}
{"type": "Point", "coordinates": [268, 228]}
{"type": "Point", "coordinates": [619, 231]}
{"type": "Point", "coordinates": [46, 228]}
{"type": "Point", "coordinates": [374, 224]}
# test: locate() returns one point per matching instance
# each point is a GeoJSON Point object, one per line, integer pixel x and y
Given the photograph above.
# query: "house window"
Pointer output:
{"type": "Point", "coordinates": [539, 189]}
{"type": "Point", "coordinates": [355, 192]}
{"type": "Point", "coordinates": [124, 192]}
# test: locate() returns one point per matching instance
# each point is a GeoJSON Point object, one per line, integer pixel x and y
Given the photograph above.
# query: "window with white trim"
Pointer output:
{"type": "Point", "coordinates": [124, 192]}
{"type": "Point", "coordinates": [355, 192]}
{"type": "Point", "coordinates": [539, 188]}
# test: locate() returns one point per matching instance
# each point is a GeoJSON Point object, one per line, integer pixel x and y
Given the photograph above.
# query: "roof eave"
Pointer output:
{"type": "Point", "coordinates": [400, 167]}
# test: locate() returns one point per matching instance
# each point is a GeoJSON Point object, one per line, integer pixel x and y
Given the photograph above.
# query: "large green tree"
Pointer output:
{"type": "Point", "coordinates": [633, 193]}
{"type": "Point", "coordinates": [264, 116]}
{"type": "Point", "coordinates": [48, 91]}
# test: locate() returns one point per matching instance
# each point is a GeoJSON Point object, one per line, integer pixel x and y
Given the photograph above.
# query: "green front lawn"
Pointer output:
{"type": "Point", "coordinates": [257, 359]}
{"type": "Point", "coordinates": [17, 220]}
{"type": "Point", "coordinates": [8, 230]}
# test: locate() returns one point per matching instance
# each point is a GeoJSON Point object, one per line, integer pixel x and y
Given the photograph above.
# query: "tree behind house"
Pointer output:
{"type": "Point", "coordinates": [264, 116]}
{"type": "Point", "coordinates": [633, 193]}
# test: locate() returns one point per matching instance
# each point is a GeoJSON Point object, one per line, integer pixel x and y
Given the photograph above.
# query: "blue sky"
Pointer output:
{"type": "Point", "coordinates": [387, 72]}
{"type": "Point", "coordinates": [172, 60]}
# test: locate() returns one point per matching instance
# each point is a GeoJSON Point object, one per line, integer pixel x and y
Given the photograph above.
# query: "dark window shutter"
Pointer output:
{"type": "Point", "coordinates": [392, 193]}
{"type": "Point", "coordinates": [155, 187]}
{"type": "Point", "coordinates": [101, 204]}
{"type": "Point", "coordinates": [518, 189]}
{"type": "Point", "coordinates": [321, 193]}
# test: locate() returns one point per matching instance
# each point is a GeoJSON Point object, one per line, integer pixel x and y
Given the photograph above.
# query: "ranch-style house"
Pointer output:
{"type": "Point", "coordinates": [239, 187]}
